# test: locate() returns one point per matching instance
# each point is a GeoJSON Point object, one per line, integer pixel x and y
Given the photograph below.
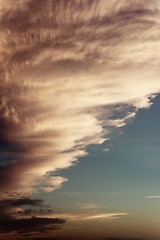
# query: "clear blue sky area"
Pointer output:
{"type": "Point", "coordinates": [131, 165]}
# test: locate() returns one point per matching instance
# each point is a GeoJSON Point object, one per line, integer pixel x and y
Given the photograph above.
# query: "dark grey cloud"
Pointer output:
{"type": "Point", "coordinates": [35, 212]}
{"type": "Point", "coordinates": [26, 221]}
{"type": "Point", "coordinates": [28, 226]}
{"type": "Point", "coordinates": [21, 202]}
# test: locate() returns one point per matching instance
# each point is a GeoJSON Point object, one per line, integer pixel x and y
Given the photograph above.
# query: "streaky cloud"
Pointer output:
{"type": "Point", "coordinates": [153, 197]}
{"type": "Point", "coordinates": [68, 79]}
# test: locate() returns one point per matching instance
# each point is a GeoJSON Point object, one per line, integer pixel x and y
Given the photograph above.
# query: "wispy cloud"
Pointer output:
{"type": "Point", "coordinates": [154, 197]}
{"type": "Point", "coordinates": [87, 205]}
{"type": "Point", "coordinates": [88, 216]}
{"type": "Point", "coordinates": [108, 216]}
{"type": "Point", "coordinates": [68, 78]}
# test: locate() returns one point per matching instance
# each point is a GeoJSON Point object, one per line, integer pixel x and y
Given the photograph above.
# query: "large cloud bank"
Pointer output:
{"type": "Point", "coordinates": [70, 71]}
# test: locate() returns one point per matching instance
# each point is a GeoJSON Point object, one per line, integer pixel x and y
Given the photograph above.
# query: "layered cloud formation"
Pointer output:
{"type": "Point", "coordinates": [16, 217]}
{"type": "Point", "coordinates": [70, 72]}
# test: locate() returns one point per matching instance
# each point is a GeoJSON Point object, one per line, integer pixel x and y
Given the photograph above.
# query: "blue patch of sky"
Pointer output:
{"type": "Point", "coordinates": [133, 159]}
{"type": "Point", "coordinates": [120, 178]}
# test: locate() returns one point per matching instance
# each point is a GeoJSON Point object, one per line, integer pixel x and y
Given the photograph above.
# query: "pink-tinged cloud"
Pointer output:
{"type": "Point", "coordinates": [66, 69]}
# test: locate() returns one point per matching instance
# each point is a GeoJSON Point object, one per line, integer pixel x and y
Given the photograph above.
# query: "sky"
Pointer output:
{"type": "Point", "coordinates": [79, 119]}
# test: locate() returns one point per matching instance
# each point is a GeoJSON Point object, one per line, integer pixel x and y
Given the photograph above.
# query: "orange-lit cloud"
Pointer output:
{"type": "Point", "coordinates": [64, 76]}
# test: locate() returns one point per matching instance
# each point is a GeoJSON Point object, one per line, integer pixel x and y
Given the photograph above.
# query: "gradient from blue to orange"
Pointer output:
{"type": "Point", "coordinates": [123, 179]}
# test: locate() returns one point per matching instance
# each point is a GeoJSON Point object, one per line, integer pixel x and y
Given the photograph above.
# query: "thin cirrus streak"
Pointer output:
{"type": "Point", "coordinates": [153, 197]}
{"type": "Point", "coordinates": [64, 77]}
{"type": "Point", "coordinates": [71, 216]}
{"type": "Point", "coordinates": [87, 216]}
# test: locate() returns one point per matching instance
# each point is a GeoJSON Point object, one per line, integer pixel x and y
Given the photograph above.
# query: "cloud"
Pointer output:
{"type": "Point", "coordinates": [87, 205]}
{"type": "Point", "coordinates": [29, 226]}
{"type": "Point", "coordinates": [31, 217]}
{"type": "Point", "coordinates": [68, 79]}
{"type": "Point", "coordinates": [156, 197]}
{"type": "Point", "coordinates": [35, 212]}
{"type": "Point", "coordinates": [21, 202]}
{"type": "Point", "coordinates": [17, 219]}
{"type": "Point", "coordinates": [51, 182]}
{"type": "Point", "coordinates": [88, 216]}
{"type": "Point", "coordinates": [105, 216]}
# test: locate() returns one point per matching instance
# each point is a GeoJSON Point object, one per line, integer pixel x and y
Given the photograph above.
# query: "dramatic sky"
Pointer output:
{"type": "Point", "coordinates": [79, 119]}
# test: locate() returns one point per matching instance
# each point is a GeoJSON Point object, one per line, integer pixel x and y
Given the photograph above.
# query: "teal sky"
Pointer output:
{"type": "Point", "coordinates": [123, 179]}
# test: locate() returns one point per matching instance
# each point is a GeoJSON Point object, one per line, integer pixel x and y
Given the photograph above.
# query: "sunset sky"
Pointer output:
{"type": "Point", "coordinates": [79, 119]}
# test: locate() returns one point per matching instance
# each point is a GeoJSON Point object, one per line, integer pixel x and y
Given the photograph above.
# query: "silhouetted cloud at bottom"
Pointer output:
{"type": "Point", "coordinates": [17, 218]}
{"type": "Point", "coordinates": [27, 226]}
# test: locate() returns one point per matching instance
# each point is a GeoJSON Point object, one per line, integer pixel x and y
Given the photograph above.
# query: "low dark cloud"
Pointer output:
{"type": "Point", "coordinates": [21, 202]}
{"type": "Point", "coordinates": [26, 221]}
{"type": "Point", "coordinates": [35, 212]}
{"type": "Point", "coordinates": [28, 225]}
